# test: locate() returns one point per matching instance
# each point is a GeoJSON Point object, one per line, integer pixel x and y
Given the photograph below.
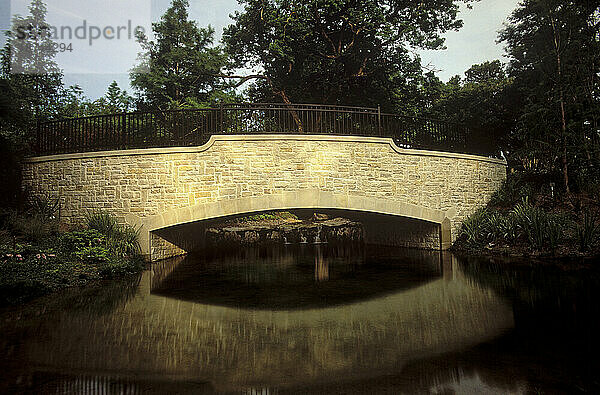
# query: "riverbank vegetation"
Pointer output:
{"type": "Point", "coordinates": [38, 257]}
{"type": "Point", "coordinates": [528, 217]}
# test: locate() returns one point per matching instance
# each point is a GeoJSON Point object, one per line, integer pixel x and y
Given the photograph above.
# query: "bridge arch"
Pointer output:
{"type": "Point", "coordinates": [302, 199]}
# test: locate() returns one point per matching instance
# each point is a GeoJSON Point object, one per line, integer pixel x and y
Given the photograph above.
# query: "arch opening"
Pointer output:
{"type": "Point", "coordinates": [157, 243]}
{"type": "Point", "coordinates": [377, 229]}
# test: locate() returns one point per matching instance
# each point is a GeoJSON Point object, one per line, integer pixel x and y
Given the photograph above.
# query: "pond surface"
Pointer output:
{"type": "Point", "coordinates": [313, 319]}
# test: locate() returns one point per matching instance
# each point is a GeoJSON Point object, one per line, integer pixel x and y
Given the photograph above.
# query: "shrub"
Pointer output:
{"type": "Point", "coordinates": [122, 240]}
{"type": "Point", "coordinates": [269, 216]}
{"type": "Point", "coordinates": [539, 228]}
{"type": "Point", "coordinates": [35, 261]}
{"type": "Point", "coordinates": [103, 222]}
{"type": "Point", "coordinates": [513, 190]}
{"type": "Point", "coordinates": [489, 226]}
{"type": "Point", "coordinates": [472, 226]}
{"type": "Point", "coordinates": [44, 206]}
{"type": "Point", "coordinates": [34, 228]}
{"type": "Point", "coordinates": [542, 229]}
{"type": "Point", "coordinates": [88, 246]}
{"type": "Point", "coordinates": [587, 231]}
{"type": "Point", "coordinates": [125, 242]}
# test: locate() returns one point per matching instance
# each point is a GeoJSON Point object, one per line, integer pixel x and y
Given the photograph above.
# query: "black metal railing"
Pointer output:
{"type": "Point", "coordinates": [194, 127]}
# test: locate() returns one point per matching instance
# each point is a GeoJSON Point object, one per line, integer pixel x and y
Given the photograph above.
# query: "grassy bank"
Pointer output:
{"type": "Point", "coordinates": [36, 257]}
{"type": "Point", "coordinates": [529, 218]}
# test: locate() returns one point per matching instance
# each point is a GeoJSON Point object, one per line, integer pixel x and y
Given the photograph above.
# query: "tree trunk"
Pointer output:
{"type": "Point", "coordinates": [294, 113]}
{"type": "Point", "coordinates": [563, 119]}
{"type": "Point", "coordinates": [564, 144]}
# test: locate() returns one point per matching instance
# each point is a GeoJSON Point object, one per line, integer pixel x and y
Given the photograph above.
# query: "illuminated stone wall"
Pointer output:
{"type": "Point", "coordinates": [158, 188]}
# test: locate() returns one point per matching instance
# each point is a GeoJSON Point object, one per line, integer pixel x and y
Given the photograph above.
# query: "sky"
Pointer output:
{"type": "Point", "coordinates": [94, 63]}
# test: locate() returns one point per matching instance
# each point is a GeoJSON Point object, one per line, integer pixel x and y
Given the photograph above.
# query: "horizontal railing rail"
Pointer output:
{"type": "Point", "coordinates": [171, 128]}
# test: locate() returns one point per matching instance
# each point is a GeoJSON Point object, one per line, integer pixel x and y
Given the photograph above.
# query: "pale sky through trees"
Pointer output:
{"type": "Point", "coordinates": [474, 43]}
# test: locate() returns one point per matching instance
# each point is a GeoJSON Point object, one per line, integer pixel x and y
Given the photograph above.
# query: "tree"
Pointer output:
{"type": "Point", "coordinates": [181, 65]}
{"type": "Point", "coordinates": [485, 72]}
{"type": "Point", "coordinates": [28, 66]}
{"type": "Point", "coordinates": [337, 51]}
{"type": "Point", "coordinates": [116, 99]}
{"type": "Point", "coordinates": [554, 52]}
{"type": "Point", "coordinates": [484, 101]}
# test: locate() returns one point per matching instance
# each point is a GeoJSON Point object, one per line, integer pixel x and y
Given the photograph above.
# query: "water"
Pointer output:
{"type": "Point", "coordinates": [313, 319]}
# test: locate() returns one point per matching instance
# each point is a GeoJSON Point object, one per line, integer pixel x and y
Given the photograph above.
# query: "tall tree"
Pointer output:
{"type": "Point", "coordinates": [337, 51]}
{"type": "Point", "coordinates": [28, 64]}
{"type": "Point", "coordinates": [30, 82]}
{"type": "Point", "coordinates": [117, 99]}
{"type": "Point", "coordinates": [181, 65]}
{"type": "Point", "coordinates": [554, 52]}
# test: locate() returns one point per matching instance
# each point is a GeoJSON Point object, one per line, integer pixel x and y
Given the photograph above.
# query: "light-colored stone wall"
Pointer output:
{"type": "Point", "coordinates": [154, 188]}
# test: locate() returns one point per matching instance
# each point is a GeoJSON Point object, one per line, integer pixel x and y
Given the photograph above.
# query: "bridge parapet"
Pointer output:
{"type": "Point", "coordinates": [159, 188]}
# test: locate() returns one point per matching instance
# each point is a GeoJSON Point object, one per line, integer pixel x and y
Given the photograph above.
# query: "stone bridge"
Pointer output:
{"type": "Point", "coordinates": [404, 197]}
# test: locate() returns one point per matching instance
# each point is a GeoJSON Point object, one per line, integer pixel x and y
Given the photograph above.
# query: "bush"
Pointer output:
{"type": "Point", "coordinates": [587, 231]}
{"type": "Point", "coordinates": [33, 227]}
{"type": "Point", "coordinates": [472, 226]}
{"type": "Point", "coordinates": [89, 246]}
{"type": "Point", "coordinates": [44, 206]}
{"type": "Point", "coordinates": [268, 216]}
{"type": "Point", "coordinates": [36, 261]}
{"type": "Point", "coordinates": [489, 226]}
{"type": "Point", "coordinates": [513, 190]}
{"type": "Point", "coordinates": [102, 222]}
{"type": "Point", "coordinates": [122, 240]}
{"type": "Point", "coordinates": [542, 229]}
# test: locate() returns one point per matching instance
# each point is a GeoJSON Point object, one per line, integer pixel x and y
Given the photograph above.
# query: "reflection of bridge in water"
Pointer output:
{"type": "Point", "coordinates": [236, 348]}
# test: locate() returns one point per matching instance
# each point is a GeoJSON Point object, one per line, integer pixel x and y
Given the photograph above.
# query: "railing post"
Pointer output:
{"type": "Point", "coordinates": [379, 119]}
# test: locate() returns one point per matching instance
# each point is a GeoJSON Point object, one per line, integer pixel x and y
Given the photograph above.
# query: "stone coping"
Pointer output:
{"type": "Point", "coordinates": [263, 137]}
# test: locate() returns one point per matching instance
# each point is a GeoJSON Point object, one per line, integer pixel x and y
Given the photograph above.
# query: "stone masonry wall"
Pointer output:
{"type": "Point", "coordinates": [155, 181]}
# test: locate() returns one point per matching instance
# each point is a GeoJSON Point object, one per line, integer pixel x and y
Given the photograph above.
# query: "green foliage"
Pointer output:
{"type": "Point", "coordinates": [489, 226]}
{"type": "Point", "coordinates": [87, 246]}
{"type": "Point", "coordinates": [33, 228]}
{"type": "Point", "coordinates": [554, 55]}
{"type": "Point", "coordinates": [122, 240]}
{"type": "Point", "coordinates": [44, 206]}
{"type": "Point", "coordinates": [268, 216]}
{"type": "Point", "coordinates": [181, 64]}
{"type": "Point", "coordinates": [540, 229]}
{"type": "Point", "coordinates": [30, 75]}
{"type": "Point", "coordinates": [514, 190]}
{"type": "Point", "coordinates": [587, 231]}
{"type": "Point", "coordinates": [338, 51]}
{"type": "Point", "coordinates": [31, 266]}
{"type": "Point", "coordinates": [472, 226]}
{"type": "Point", "coordinates": [36, 222]}
{"type": "Point", "coordinates": [102, 222]}
{"type": "Point", "coordinates": [484, 102]}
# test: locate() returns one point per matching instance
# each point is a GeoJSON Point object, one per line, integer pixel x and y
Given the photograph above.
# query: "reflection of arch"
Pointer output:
{"type": "Point", "coordinates": [303, 199]}
{"type": "Point", "coordinates": [325, 275]}
{"type": "Point", "coordinates": [237, 348]}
